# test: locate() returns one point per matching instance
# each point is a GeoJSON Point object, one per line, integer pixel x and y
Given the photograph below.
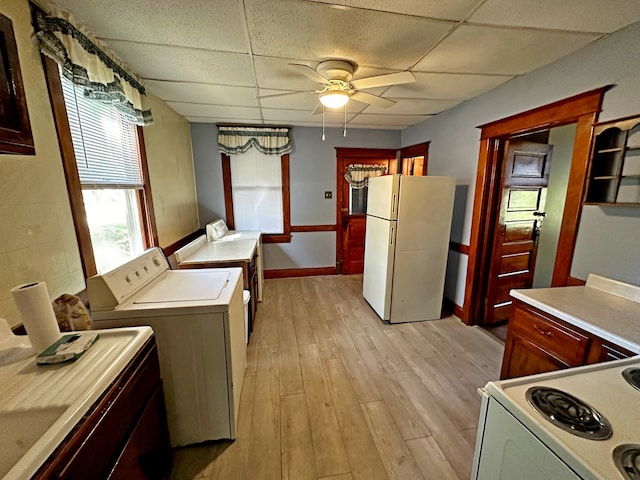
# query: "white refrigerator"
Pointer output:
{"type": "Point", "coordinates": [406, 246]}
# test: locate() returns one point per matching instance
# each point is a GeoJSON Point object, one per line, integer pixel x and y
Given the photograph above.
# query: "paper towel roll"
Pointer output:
{"type": "Point", "coordinates": [38, 318]}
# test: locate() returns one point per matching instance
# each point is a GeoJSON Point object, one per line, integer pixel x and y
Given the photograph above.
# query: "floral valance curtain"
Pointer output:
{"type": "Point", "coordinates": [89, 63]}
{"type": "Point", "coordinates": [233, 140]}
{"type": "Point", "coordinates": [358, 175]}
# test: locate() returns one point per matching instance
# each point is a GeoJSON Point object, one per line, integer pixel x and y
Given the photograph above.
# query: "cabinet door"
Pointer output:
{"type": "Point", "coordinates": [146, 453]}
{"type": "Point", "coordinates": [523, 357]}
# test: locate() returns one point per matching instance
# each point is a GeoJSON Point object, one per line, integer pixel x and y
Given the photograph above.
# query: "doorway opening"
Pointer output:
{"type": "Point", "coordinates": [581, 110]}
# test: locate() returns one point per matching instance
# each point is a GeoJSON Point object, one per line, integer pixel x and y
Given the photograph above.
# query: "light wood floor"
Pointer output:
{"type": "Point", "coordinates": [331, 392]}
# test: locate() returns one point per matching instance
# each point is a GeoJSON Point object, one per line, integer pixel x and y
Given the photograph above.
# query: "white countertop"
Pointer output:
{"type": "Point", "coordinates": [602, 307]}
{"type": "Point", "coordinates": [233, 247]}
{"type": "Point", "coordinates": [40, 405]}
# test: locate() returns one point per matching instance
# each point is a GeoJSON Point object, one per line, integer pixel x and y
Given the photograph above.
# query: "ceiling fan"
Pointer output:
{"type": "Point", "coordinates": [337, 88]}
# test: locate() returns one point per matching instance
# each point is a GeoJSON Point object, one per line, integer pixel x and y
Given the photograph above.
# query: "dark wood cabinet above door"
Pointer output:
{"type": "Point", "coordinates": [15, 128]}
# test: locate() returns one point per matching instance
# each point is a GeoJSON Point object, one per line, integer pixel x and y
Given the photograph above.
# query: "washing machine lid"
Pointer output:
{"type": "Point", "coordinates": [185, 285]}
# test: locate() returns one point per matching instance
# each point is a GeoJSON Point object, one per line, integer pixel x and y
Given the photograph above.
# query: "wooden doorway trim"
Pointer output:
{"type": "Point", "coordinates": [582, 109]}
{"type": "Point", "coordinates": [343, 157]}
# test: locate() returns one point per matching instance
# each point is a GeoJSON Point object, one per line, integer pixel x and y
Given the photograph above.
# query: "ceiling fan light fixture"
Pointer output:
{"type": "Point", "coordinates": [334, 98]}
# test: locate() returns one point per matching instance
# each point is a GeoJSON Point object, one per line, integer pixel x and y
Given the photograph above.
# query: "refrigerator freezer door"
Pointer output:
{"type": "Point", "coordinates": [382, 197]}
{"type": "Point", "coordinates": [378, 264]}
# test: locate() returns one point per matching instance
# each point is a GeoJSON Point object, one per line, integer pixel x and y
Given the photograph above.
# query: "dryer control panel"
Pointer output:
{"type": "Point", "coordinates": [110, 289]}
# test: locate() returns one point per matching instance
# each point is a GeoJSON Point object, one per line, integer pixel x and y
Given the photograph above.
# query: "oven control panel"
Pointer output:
{"type": "Point", "coordinates": [110, 289]}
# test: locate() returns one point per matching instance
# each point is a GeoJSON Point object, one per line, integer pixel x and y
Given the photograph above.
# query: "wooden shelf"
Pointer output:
{"type": "Point", "coordinates": [614, 166]}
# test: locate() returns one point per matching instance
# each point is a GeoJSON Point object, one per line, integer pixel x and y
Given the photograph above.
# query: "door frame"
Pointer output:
{"type": "Point", "coordinates": [582, 109]}
{"type": "Point", "coordinates": [343, 157]}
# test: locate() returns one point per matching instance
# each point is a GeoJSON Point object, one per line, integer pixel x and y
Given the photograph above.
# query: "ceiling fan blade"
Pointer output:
{"type": "Point", "coordinates": [372, 99]}
{"type": "Point", "coordinates": [383, 80]}
{"type": "Point", "coordinates": [310, 72]}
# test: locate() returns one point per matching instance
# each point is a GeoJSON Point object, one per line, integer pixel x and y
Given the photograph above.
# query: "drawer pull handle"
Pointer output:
{"type": "Point", "coordinates": [543, 332]}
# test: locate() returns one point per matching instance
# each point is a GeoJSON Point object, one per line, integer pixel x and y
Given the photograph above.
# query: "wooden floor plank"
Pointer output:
{"type": "Point", "coordinates": [432, 462]}
{"type": "Point", "coordinates": [395, 454]}
{"type": "Point", "coordinates": [444, 431]}
{"type": "Point", "coordinates": [402, 410]}
{"type": "Point", "coordinates": [363, 456]}
{"type": "Point", "coordinates": [298, 462]}
{"type": "Point", "coordinates": [328, 446]}
{"type": "Point", "coordinates": [264, 448]}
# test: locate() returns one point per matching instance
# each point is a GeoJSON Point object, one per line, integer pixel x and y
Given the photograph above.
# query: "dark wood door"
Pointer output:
{"type": "Point", "coordinates": [521, 211]}
{"type": "Point", "coordinates": [351, 204]}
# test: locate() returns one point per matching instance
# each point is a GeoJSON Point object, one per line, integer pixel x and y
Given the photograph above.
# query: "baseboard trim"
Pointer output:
{"type": "Point", "coordinates": [299, 272]}
{"type": "Point", "coordinates": [457, 310]}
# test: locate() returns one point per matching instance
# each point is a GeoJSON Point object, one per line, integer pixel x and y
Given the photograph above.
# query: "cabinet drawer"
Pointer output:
{"type": "Point", "coordinates": [562, 342]}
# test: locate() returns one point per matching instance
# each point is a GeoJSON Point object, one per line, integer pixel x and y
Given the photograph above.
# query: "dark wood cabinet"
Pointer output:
{"type": "Point", "coordinates": [124, 435]}
{"type": "Point", "coordinates": [15, 127]}
{"type": "Point", "coordinates": [538, 342]}
{"type": "Point", "coordinates": [614, 170]}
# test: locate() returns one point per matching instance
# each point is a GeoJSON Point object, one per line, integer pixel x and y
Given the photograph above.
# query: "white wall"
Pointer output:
{"type": "Point", "coordinates": [455, 137]}
{"type": "Point", "coordinates": [562, 140]}
{"type": "Point", "coordinates": [37, 237]}
{"type": "Point", "coordinates": [312, 172]}
{"type": "Point", "coordinates": [171, 173]}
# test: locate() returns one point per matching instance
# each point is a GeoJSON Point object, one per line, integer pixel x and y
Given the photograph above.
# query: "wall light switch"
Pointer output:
{"type": "Point", "coordinates": [328, 195]}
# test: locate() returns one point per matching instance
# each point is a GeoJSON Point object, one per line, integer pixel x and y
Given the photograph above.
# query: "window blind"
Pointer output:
{"type": "Point", "coordinates": [105, 145]}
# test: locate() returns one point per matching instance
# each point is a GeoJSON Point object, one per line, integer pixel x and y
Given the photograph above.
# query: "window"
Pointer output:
{"type": "Point", "coordinates": [106, 174]}
{"type": "Point", "coordinates": [257, 194]}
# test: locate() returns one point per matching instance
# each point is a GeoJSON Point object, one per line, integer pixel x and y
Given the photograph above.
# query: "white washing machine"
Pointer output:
{"type": "Point", "coordinates": [198, 319]}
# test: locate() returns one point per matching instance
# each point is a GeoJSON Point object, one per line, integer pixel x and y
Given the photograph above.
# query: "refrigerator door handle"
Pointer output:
{"type": "Point", "coordinates": [392, 235]}
{"type": "Point", "coordinates": [394, 204]}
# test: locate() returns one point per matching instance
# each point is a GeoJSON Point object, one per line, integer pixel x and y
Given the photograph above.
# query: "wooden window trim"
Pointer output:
{"type": "Point", "coordinates": [74, 187]}
{"type": "Point", "coordinates": [284, 237]}
{"type": "Point", "coordinates": [581, 109]}
{"type": "Point", "coordinates": [15, 137]}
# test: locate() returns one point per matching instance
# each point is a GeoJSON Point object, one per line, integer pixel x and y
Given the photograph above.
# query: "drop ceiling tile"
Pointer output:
{"type": "Point", "coordinates": [270, 114]}
{"type": "Point", "coordinates": [446, 86]}
{"type": "Point", "coordinates": [390, 120]}
{"type": "Point", "coordinates": [288, 100]}
{"type": "Point", "coordinates": [203, 93]}
{"type": "Point", "coordinates": [413, 107]}
{"type": "Point", "coordinates": [449, 10]}
{"type": "Point", "coordinates": [189, 23]}
{"type": "Point", "coordinates": [302, 30]}
{"type": "Point", "coordinates": [498, 50]}
{"type": "Point", "coordinates": [199, 110]}
{"type": "Point", "coordinates": [585, 16]}
{"type": "Point", "coordinates": [186, 64]}
{"type": "Point", "coordinates": [243, 121]}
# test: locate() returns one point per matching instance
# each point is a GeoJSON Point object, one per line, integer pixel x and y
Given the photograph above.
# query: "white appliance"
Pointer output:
{"type": "Point", "coordinates": [406, 245]}
{"type": "Point", "coordinates": [516, 440]}
{"type": "Point", "coordinates": [198, 319]}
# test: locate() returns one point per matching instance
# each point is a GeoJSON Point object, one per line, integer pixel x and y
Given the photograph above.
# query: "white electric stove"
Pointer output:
{"type": "Point", "coordinates": [198, 319]}
{"type": "Point", "coordinates": [593, 433]}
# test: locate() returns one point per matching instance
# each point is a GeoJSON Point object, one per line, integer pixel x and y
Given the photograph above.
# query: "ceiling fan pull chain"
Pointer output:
{"type": "Point", "coordinates": [344, 133]}
{"type": "Point", "coordinates": [323, 123]}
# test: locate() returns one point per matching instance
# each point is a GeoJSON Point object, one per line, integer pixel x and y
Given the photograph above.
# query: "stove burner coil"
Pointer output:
{"type": "Point", "coordinates": [569, 413]}
{"type": "Point", "coordinates": [627, 459]}
{"type": "Point", "coordinates": [632, 376]}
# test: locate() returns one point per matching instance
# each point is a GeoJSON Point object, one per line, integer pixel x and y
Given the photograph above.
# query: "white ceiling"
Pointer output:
{"type": "Point", "coordinates": [210, 60]}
